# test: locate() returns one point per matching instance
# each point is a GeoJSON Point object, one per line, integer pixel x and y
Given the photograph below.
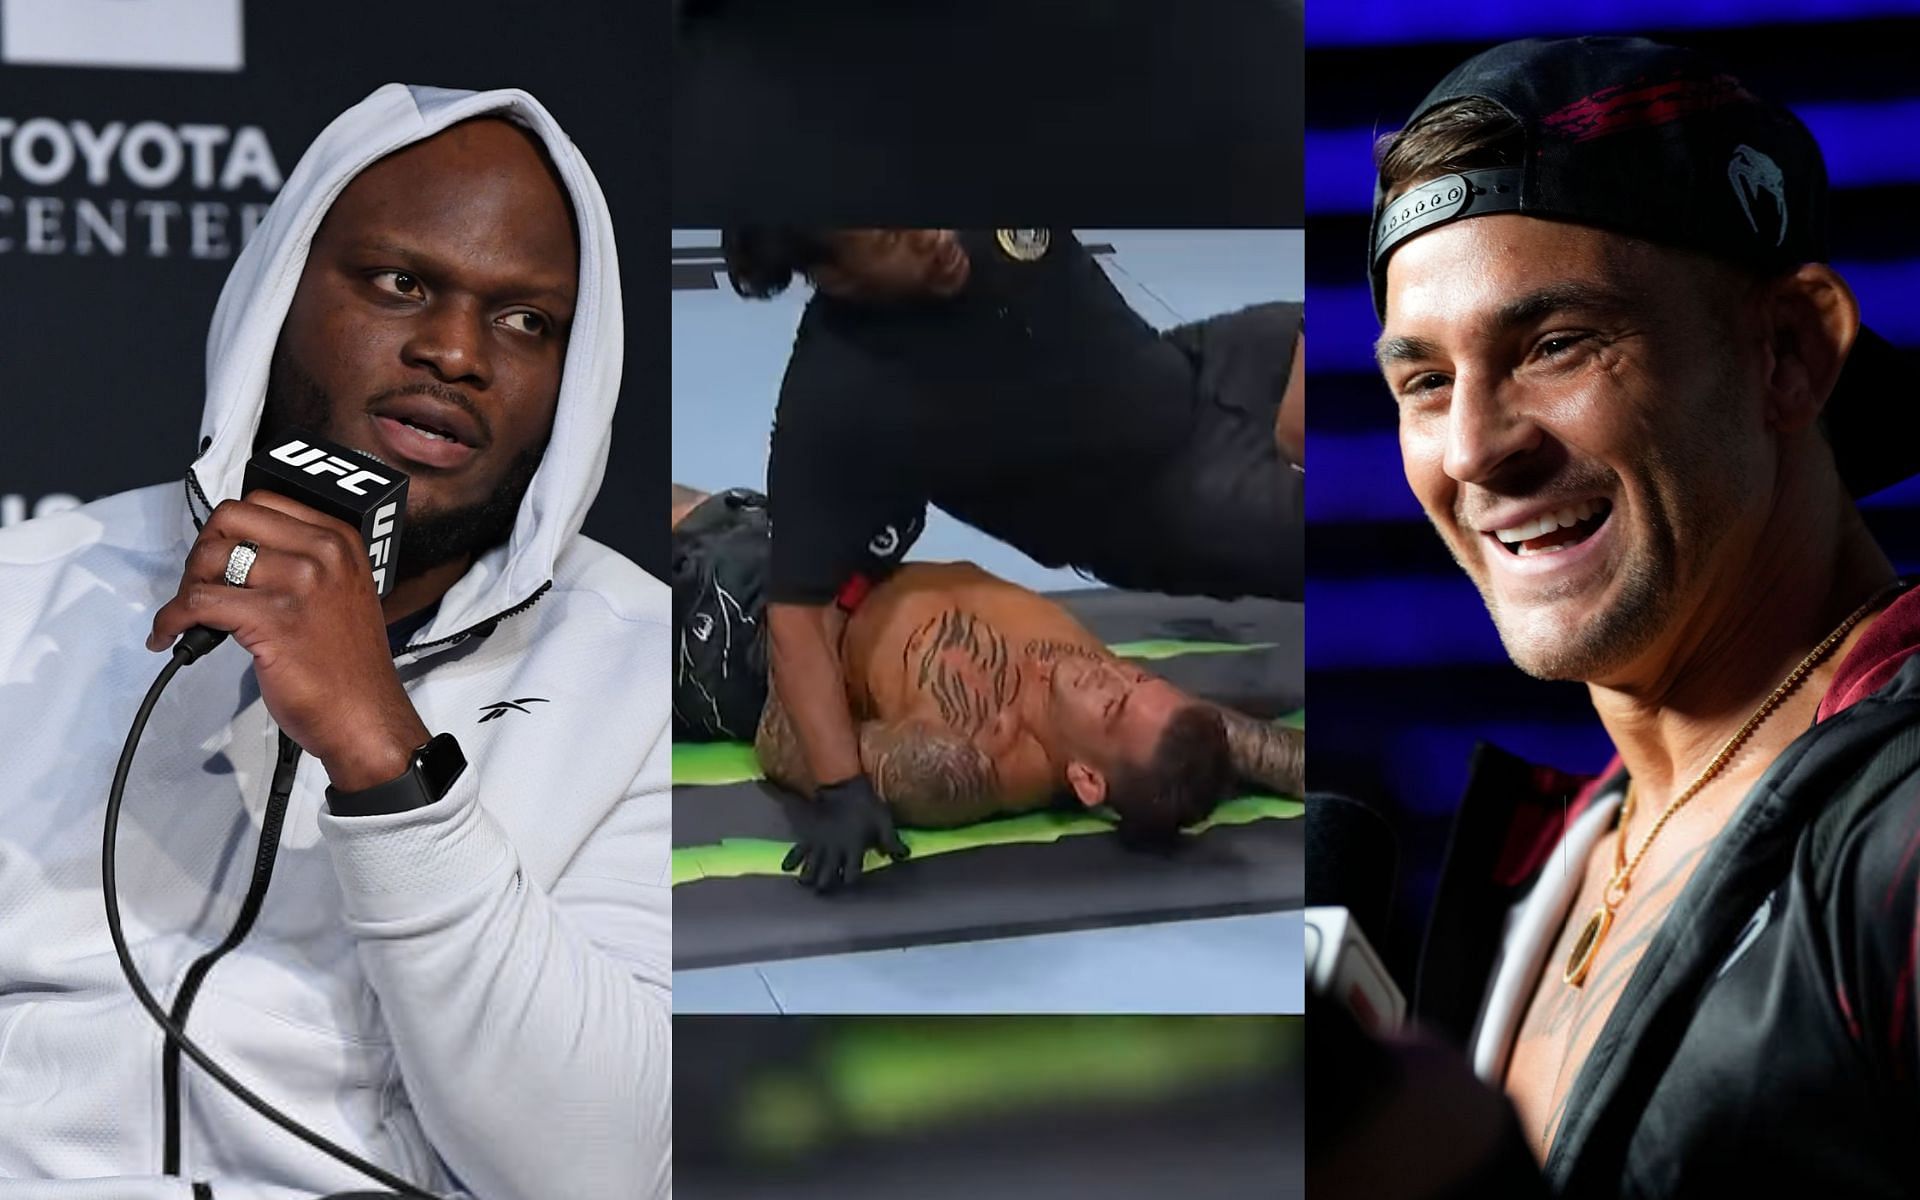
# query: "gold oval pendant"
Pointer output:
{"type": "Point", "coordinates": [1587, 945]}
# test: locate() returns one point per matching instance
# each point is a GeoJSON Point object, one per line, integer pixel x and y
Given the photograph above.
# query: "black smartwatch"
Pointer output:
{"type": "Point", "coordinates": [433, 770]}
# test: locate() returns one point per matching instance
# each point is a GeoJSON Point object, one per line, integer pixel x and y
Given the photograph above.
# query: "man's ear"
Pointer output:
{"type": "Point", "coordinates": [1089, 784]}
{"type": "Point", "coordinates": [1815, 319]}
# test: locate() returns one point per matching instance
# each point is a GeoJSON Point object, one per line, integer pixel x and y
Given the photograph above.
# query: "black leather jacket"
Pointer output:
{"type": "Point", "coordinates": [1768, 1044]}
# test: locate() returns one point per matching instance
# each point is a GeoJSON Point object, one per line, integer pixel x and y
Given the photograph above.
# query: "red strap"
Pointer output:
{"type": "Point", "coordinates": [853, 593]}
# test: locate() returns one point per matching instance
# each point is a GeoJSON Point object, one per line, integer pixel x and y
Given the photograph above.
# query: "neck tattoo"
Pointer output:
{"type": "Point", "coordinates": [1047, 650]}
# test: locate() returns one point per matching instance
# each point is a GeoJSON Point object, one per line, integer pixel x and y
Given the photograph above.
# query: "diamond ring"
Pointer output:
{"type": "Point", "coordinates": [240, 561]}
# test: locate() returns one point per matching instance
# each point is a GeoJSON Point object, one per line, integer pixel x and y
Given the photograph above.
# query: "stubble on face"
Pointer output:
{"type": "Point", "coordinates": [432, 536]}
{"type": "Point", "coordinates": [478, 224]}
{"type": "Point", "coordinates": [1688, 498]}
{"type": "Point", "coordinates": [1621, 370]}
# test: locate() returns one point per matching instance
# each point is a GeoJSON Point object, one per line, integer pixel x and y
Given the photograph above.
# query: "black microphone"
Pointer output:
{"type": "Point", "coordinates": [342, 483]}
{"type": "Point", "coordinates": [1352, 858]}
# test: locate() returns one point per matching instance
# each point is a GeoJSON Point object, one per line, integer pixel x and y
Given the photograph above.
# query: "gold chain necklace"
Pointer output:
{"type": "Point", "coordinates": [1587, 945]}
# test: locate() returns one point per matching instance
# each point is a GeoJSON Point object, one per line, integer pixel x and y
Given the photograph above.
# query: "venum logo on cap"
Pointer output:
{"type": "Point", "coordinates": [1753, 174]}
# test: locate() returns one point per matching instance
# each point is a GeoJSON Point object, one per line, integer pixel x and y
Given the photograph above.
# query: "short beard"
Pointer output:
{"type": "Point", "coordinates": [1594, 649]}
{"type": "Point", "coordinates": [430, 538]}
{"type": "Point", "coordinates": [1708, 485]}
{"type": "Point", "coordinates": [433, 538]}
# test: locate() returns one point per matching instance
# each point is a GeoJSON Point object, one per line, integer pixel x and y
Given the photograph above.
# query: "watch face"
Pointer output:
{"type": "Point", "coordinates": [440, 763]}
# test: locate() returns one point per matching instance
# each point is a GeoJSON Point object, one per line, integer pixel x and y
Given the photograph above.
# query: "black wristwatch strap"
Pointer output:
{"type": "Point", "coordinates": [434, 769]}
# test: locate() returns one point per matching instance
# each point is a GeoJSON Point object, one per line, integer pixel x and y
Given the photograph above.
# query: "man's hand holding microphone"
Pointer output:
{"type": "Point", "coordinates": [286, 571]}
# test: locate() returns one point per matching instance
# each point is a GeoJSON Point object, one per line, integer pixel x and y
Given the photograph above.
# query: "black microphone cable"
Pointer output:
{"type": "Point", "coordinates": [190, 647]}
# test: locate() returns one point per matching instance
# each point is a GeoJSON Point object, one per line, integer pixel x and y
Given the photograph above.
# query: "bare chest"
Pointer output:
{"type": "Point", "coordinates": [1563, 1021]}
{"type": "Point", "coordinates": [957, 668]}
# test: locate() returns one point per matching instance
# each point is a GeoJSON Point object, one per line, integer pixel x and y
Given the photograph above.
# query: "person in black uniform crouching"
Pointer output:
{"type": "Point", "coordinates": [999, 375]}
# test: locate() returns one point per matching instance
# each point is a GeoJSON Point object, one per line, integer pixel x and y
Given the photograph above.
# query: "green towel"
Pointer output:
{"type": "Point", "coordinates": [714, 763]}
{"type": "Point", "coordinates": [732, 858]}
{"type": "Point", "coordinates": [733, 762]}
{"type": "Point", "coordinates": [1164, 648]}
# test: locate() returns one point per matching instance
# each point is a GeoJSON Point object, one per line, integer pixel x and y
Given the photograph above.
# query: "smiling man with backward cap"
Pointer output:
{"type": "Point", "coordinates": [1637, 405]}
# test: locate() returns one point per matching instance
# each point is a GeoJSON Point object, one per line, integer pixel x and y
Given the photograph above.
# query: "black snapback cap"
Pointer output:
{"type": "Point", "coordinates": [1655, 142]}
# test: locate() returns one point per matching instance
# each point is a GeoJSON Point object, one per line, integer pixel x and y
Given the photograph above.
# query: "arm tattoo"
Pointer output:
{"type": "Point", "coordinates": [1266, 753]}
{"type": "Point", "coordinates": [964, 666]}
{"type": "Point", "coordinates": [929, 776]}
{"type": "Point", "coordinates": [778, 748]}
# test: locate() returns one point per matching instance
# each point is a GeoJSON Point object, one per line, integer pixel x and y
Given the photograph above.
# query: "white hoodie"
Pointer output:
{"type": "Point", "coordinates": [475, 994]}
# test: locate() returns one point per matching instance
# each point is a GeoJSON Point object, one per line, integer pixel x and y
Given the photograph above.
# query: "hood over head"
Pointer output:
{"type": "Point", "coordinates": [259, 290]}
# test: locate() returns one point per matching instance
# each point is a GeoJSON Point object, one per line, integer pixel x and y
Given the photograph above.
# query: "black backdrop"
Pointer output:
{"type": "Point", "coordinates": [1109, 113]}
{"type": "Point", "coordinates": [101, 353]}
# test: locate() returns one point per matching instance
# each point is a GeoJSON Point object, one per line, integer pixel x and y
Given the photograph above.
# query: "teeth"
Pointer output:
{"type": "Point", "coordinates": [1548, 522]}
{"type": "Point", "coordinates": [434, 433]}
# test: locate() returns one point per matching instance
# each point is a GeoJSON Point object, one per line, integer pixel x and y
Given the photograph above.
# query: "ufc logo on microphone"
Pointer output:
{"type": "Point", "coordinates": [315, 461]}
{"type": "Point", "coordinates": [382, 542]}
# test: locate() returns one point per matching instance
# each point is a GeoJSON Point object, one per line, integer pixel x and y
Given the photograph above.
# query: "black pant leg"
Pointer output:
{"type": "Point", "coordinates": [721, 554]}
{"type": "Point", "coordinates": [1226, 516]}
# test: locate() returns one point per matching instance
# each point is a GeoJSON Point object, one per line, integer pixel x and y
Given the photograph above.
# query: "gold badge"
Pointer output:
{"type": "Point", "coordinates": [1023, 245]}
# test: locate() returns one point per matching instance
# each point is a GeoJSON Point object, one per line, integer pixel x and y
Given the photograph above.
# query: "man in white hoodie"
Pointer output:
{"type": "Point", "coordinates": [449, 953]}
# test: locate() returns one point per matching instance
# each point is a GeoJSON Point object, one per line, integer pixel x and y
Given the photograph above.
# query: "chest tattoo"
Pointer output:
{"type": "Point", "coordinates": [961, 663]}
{"type": "Point", "coordinates": [1569, 1020]}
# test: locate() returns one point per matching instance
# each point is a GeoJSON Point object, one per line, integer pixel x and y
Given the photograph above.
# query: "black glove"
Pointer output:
{"type": "Point", "coordinates": [844, 819]}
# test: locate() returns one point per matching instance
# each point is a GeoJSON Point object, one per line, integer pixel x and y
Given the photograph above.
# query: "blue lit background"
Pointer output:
{"type": "Point", "coordinates": [1404, 668]}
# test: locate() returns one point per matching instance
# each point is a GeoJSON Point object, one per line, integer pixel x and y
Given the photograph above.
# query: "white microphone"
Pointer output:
{"type": "Point", "coordinates": [1342, 967]}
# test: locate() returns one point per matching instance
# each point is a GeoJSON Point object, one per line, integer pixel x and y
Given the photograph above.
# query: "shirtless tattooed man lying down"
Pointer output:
{"type": "Point", "coordinates": [973, 697]}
